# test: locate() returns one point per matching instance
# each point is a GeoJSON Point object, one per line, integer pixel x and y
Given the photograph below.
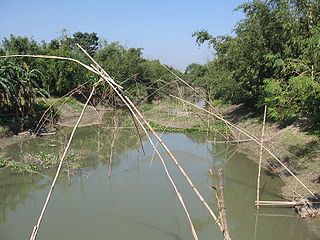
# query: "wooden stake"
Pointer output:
{"type": "Point", "coordinates": [260, 154]}
{"type": "Point", "coordinates": [223, 208]}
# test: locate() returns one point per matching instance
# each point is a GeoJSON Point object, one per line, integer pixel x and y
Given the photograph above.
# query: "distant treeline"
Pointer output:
{"type": "Point", "coordinates": [273, 60]}
{"type": "Point", "coordinates": [22, 79]}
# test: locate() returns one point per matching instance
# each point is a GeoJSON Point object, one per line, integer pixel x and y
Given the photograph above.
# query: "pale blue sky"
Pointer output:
{"type": "Point", "coordinates": [162, 28]}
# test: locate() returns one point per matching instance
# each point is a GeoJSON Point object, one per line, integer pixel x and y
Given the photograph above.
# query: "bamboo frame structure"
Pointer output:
{"type": "Point", "coordinates": [96, 68]}
{"type": "Point", "coordinates": [141, 120]}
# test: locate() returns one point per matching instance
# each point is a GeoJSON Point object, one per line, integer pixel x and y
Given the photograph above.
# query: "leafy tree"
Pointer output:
{"type": "Point", "coordinates": [18, 89]}
{"type": "Point", "coordinates": [273, 59]}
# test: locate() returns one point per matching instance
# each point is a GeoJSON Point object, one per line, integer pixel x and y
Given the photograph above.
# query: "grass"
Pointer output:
{"type": "Point", "coordinates": [171, 116]}
{"type": "Point", "coordinates": [4, 131]}
{"type": "Point", "coordinates": [220, 103]}
{"type": "Point", "coordinates": [214, 126]}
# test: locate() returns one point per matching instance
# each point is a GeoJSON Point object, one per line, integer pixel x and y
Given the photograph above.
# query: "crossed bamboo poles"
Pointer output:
{"type": "Point", "coordinates": [138, 117]}
{"type": "Point", "coordinates": [142, 122]}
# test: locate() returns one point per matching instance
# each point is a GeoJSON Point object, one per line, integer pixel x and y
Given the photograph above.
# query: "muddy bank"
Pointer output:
{"type": "Point", "coordinates": [92, 116]}
{"type": "Point", "coordinates": [68, 116]}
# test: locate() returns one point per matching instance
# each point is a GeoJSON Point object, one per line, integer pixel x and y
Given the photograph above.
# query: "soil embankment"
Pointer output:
{"type": "Point", "coordinates": [92, 116]}
{"type": "Point", "coordinates": [297, 148]}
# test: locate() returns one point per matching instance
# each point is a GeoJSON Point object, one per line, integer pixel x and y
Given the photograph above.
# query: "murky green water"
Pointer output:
{"type": "Point", "coordinates": [137, 202]}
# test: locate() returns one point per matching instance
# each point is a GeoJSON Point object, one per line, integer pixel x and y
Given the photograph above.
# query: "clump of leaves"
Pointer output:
{"type": "Point", "coordinates": [18, 167]}
{"type": "Point", "coordinates": [73, 160]}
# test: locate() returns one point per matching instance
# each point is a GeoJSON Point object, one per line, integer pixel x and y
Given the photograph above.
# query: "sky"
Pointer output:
{"type": "Point", "coordinates": [162, 28]}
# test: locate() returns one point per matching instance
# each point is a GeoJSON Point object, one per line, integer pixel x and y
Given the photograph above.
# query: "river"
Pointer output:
{"type": "Point", "coordinates": [138, 202]}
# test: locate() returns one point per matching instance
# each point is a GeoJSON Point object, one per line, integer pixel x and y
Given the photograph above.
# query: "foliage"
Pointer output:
{"type": "Point", "coordinates": [72, 161]}
{"type": "Point", "coordinates": [18, 89]}
{"type": "Point", "coordinates": [273, 59]}
{"type": "Point", "coordinates": [22, 79]}
{"type": "Point", "coordinates": [17, 167]}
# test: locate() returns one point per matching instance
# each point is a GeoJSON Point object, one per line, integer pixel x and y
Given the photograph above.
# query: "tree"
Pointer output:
{"type": "Point", "coordinates": [273, 59]}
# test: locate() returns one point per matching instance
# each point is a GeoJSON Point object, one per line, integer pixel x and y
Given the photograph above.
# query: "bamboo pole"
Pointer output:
{"type": "Point", "coordinates": [37, 226]}
{"type": "Point", "coordinates": [256, 225]}
{"type": "Point", "coordinates": [260, 155]}
{"type": "Point", "coordinates": [223, 208]}
{"type": "Point", "coordinates": [177, 164]}
{"type": "Point", "coordinates": [253, 139]}
{"type": "Point", "coordinates": [276, 203]}
{"type": "Point", "coordinates": [217, 197]}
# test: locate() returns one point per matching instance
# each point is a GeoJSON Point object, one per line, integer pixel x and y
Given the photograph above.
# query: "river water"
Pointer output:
{"type": "Point", "coordinates": [138, 202]}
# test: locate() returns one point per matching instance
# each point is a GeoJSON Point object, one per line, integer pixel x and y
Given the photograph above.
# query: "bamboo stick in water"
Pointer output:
{"type": "Point", "coordinates": [260, 155]}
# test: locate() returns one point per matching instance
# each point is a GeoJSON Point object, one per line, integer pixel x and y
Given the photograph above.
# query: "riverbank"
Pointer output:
{"type": "Point", "coordinates": [296, 147]}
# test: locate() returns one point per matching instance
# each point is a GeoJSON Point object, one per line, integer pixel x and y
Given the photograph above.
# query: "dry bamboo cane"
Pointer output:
{"type": "Point", "coordinates": [52, 57]}
{"type": "Point", "coordinates": [223, 208]}
{"type": "Point", "coordinates": [253, 139]}
{"type": "Point", "coordinates": [37, 226]}
{"type": "Point", "coordinates": [256, 226]}
{"type": "Point", "coordinates": [217, 197]}
{"type": "Point", "coordinates": [260, 154]}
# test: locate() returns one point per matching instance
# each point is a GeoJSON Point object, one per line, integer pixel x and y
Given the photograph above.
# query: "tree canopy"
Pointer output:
{"type": "Point", "coordinates": [273, 59]}
{"type": "Point", "coordinates": [23, 79]}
